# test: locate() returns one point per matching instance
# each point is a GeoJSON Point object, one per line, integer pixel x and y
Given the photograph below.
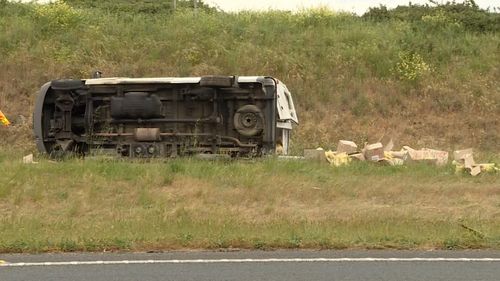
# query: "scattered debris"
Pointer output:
{"type": "Point", "coordinates": [464, 161]}
{"type": "Point", "coordinates": [426, 155]}
{"type": "Point", "coordinates": [382, 153]}
{"type": "Point", "coordinates": [346, 146]}
{"type": "Point", "coordinates": [28, 159]}
{"type": "Point", "coordinates": [403, 154]}
{"type": "Point", "coordinates": [337, 159]}
{"type": "Point", "coordinates": [469, 161]}
{"type": "Point", "coordinates": [357, 156]}
{"type": "Point", "coordinates": [391, 159]}
{"type": "Point", "coordinates": [374, 152]}
{"type": "Point", "coordinates": [440, 155]}
{"type": "Point", "coordinates": [488, 167]}
{"type": "Point", "coordinates": [3, 119]}
{"type": "Point", "coordinates": [476, 170]}
{"type": "Point", "coordinates": [461, 154]}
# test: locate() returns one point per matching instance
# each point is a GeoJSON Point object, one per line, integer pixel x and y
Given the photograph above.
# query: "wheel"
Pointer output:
{"type": "Point", "coordinates": [249, 120]}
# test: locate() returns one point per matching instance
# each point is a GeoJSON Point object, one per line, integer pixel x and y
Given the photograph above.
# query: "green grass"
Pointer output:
{"type": "Point", "coordinates": [429, 81]}
{"type": "Point", "coordinates": [98, 204]}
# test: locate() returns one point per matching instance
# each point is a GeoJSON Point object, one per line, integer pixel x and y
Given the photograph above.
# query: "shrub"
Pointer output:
{"type": "Point", "coordinates": [440, 19]}
{"type": "Point", "coordinates": [57, 16]}
{"type": "Point", "coordinates": [319, 16]}
{"type": "Point", "coordinates": [467, 14]}
{"type": "Point", "coordinates": [411, 66]}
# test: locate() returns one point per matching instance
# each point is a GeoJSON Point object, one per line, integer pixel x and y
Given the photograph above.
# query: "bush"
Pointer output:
{"type": "Point", "coordinates": [411, 66]}
{"type": "Point", "coordinates": [466, 14]}
{"type": "Point", "coordinates": [319, 16]}
{"type": "Point", "coordinates": [440, 19]}
{"type": "Point", "coordinates": [57, 16]}
{"type": "Point", "coordinates": [8, 8]}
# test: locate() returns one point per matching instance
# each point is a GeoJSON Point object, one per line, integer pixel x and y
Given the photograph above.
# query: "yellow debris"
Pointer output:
{"type": "Point", "coordinates": [390, 159]}
{"type": "Point", "coordinates": [459, 168]}
{"type": "Point", "coordinates": [3, 119]}
{"type": "Point", "coordinates": [473, 169]}
{"type": "Point", "coordinates": [489, 167]}
{"type": "Point", "coordinates": [337, 159]}
{"type": "Point", "coordinates": [28, 159]}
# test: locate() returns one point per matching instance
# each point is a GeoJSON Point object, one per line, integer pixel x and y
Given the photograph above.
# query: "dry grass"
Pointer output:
{"type": "Point", "coordinates": [98, 204]}
{"type": "Point", "coordinates": [339, 68]}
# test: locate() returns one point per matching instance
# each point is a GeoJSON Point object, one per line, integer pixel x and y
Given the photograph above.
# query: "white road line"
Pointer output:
{"type": "Point", "coordinates": [277, 260]}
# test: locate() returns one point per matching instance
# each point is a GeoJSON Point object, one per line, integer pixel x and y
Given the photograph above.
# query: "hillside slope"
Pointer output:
{"type": "Point", "coordinates": [433, 81]}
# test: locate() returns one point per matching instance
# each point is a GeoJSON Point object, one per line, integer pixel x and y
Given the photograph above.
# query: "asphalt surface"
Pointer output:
{"type": "Point", "coordinates": [256, 265]}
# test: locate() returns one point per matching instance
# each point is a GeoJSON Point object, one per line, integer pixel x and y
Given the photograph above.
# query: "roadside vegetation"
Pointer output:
{"type": "Point", "coordinates": [428, 74]}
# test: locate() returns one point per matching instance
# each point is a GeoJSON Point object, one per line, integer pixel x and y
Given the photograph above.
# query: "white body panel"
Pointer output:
{"type": "Point", "coordinates": [160, 80]}
{"type": "Point", "coordinates": [286, 108]}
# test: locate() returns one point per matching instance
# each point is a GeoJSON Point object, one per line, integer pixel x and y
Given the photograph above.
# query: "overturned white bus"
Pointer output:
{"type": "Point", "coordinates": [239, 116]}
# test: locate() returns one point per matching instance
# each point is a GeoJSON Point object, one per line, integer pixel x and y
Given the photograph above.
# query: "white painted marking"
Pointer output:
{"type": "Point", "coordinates": [206, 261]}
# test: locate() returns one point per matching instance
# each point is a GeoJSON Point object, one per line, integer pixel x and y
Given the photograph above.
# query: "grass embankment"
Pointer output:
{"type": "Point", "coordinates": [432, 80]}
{"type": "Point", "coordinates": [430, 75]}
{"type": "Point", "coordinates": [95, 205]}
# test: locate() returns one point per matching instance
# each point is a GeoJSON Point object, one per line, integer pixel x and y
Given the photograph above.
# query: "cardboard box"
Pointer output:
{"type": "Point", "coordinates": [468, 161]}
{"type": "Point", "coordinates": [476, 170]}
{"type": "Point", "coordinates": [426, 155]}
{"type": "Point", "coordinates": [403, 154]}
{"type": "Point", "coordinates": [440, 156]}
{"type": "Point", "coordinates": [461, 154]}
{"type": "Point", "coordinates": [346, 146]}
{"type": "Point", "coordinates": [357, 157]}
{"type": "Point", "coordinates": [374, 152]}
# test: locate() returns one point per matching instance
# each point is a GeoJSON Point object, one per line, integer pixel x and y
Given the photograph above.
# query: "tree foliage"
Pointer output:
{"type": "Point", "coordinates": [466, 14]}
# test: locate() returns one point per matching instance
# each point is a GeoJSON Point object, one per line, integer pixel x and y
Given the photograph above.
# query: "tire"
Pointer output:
{"type": "Point", "coordinates": [249, 120]}
{"type": "Point", "coordinates": [67, 84]}
{"type": "Point", "coordinates": [216, 81]}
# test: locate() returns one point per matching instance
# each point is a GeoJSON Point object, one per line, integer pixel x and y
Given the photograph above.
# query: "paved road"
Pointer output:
{"type": "Point", "coordinates": [256, 265]}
